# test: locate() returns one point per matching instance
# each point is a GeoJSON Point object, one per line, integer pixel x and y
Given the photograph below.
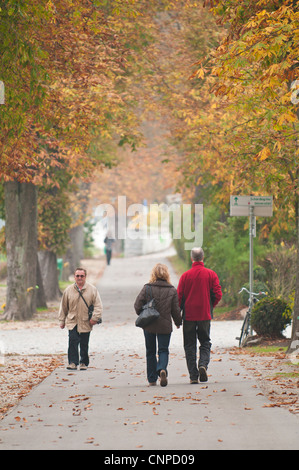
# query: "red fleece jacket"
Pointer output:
{"type": "Point", "coordinates": [200, 289]}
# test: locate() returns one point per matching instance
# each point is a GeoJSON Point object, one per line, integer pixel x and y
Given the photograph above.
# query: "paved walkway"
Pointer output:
{"type": "Point", "coordinates": [110, 407]}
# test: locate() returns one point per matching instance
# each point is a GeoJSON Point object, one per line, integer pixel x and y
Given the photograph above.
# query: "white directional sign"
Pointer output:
{"type": "Point", "coordinates": [262, 205]}
{"type": "Point", "coordinates": [2, 92]}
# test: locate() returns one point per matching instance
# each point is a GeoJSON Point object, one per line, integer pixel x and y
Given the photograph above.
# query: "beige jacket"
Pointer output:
{"type": "Point", "coordinates": [73, 310]}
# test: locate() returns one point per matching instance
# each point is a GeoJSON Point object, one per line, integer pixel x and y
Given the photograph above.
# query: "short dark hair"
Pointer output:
{"type": "Point", "coordinates": [81, 269]}
{"type": "Point", "coordinates": [197, 254]}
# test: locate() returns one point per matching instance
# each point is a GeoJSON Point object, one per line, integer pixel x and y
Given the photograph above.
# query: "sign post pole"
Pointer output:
{"type": "Point", "coordinates": [251, 230]}
{"type": "Point", "coordinates": [251, 206]}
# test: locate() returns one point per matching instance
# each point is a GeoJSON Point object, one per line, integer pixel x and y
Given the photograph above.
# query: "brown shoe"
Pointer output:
{"type": "Point", "coordinates": [163, 378]}
{"type": "Point", "coordinates": [203, 377]}
{"type": "Point", "coordinates": [193, 381]}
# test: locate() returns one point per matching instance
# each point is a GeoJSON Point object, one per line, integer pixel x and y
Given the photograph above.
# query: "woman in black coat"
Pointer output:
{"type": "Point", "coordinates": [167, 304]}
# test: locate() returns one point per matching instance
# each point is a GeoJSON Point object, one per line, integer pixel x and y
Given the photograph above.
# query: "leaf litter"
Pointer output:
{"type": "Point", "coordinates": [277, 377]}
{"type": "Point", "coordinates": [19, 374]}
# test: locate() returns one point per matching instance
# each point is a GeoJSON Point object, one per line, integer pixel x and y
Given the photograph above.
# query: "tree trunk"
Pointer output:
{"type": "Point", "coordinates": [41, 301]}
{"type": "Point", "coordinates": [48, 266]}
{"type": "Point", "coordinates": [75, 251]}
{"type": "Point", "coordinates": [21, 248]}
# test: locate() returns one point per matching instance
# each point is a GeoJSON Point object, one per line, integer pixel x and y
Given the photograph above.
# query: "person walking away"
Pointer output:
{"type": "Point", "coordinates": [159, 332]}
{"type": "Point", "coordinates": [199, 292]}
{"type": "Point", "coordinates": [74, 314]}
{"type": "Point", "coordinates": [109, 240]}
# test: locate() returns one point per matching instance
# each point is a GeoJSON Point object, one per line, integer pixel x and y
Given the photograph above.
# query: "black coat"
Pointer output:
{"type": "Point", "coordinates": [167, 304]}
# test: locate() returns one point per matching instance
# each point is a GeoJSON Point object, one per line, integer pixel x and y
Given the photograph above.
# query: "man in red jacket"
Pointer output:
{"type": "Point", "coordinates": [199, 292]}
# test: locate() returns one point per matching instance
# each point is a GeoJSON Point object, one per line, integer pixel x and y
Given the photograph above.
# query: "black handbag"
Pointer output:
{"type": "Point", "coordinates": [149, 313]}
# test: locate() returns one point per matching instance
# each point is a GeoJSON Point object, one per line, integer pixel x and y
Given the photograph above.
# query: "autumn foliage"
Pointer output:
{"type": "Point", "coordinates": [211, 90]}
{"type": "Point", "coordinates": [60, 66]}
{"type": "Point", "coordinates": [253, 126]}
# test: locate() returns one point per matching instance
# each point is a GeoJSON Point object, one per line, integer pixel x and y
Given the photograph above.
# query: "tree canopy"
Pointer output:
{"type": "Point", "coordinates": [206, 96]}
{"type": "Point", "coordinates": [61, 64]}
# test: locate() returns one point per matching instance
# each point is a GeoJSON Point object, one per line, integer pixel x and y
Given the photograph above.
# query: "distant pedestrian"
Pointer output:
{"type": "Point", "coordinates": [159, 332]}
{"type": "Point", "coordinates": [199, 292]}
{"type": "Point", "coordinates": [109, 240]}
{"type": "Point", "coordinates": [75, 315]}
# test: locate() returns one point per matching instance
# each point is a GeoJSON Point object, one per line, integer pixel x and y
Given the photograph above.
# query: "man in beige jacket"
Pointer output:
{"type": "Point", "coordinates": [74, 314]}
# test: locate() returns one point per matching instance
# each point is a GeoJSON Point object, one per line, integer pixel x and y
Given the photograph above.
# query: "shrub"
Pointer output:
{"type": "Point", "coordinates": [270, 317]}
{"type": "Point", "coordinates": [280, 266]}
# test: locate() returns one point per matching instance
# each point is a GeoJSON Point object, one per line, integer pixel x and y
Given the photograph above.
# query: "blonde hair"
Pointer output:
{"type": "Point", "coordinates": [160, 271]}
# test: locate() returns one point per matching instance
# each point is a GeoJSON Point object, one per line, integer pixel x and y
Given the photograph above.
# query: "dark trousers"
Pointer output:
{"type": "Point", "coordinates": [108, 256]}
{"type": "Point", "coordinates": [153, 365]}
{"type": "Point", "coordinates": [75, 340]}
{"type": "Point", "coordinates": [193, 330]}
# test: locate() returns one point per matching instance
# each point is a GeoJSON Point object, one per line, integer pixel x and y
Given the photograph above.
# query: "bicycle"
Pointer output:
{"type": "Point", "coordinates": [246, 331]}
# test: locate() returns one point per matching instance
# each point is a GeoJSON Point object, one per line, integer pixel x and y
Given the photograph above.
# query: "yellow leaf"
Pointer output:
{"type": "Point", "coordinates": [287, 117]}
{"type": "Point", "coordinates": [264, 154]}
{"type": "Point", "coordinates": [200, 73]}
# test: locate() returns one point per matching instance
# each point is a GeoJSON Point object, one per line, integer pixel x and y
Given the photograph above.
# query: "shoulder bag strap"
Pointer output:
{"type": "Point", "coordinates": [82, 296]}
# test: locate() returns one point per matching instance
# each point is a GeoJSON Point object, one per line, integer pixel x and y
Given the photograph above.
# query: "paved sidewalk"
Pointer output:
{"type": "Point", "coordinates": [110, 407]}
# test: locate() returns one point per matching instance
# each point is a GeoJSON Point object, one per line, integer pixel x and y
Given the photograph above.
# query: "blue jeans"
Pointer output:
{"type": "Point", "coordinates": [153, 365]}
